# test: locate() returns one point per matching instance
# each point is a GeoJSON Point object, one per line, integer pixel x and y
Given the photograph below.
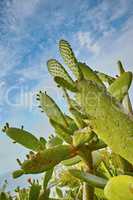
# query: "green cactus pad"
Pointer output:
{"type": "Point", "coordinates": [108, 121]}
{"type": "Point", "coordinates": [62, 132]}
{"type": "Point", "coordinates": [69, 58]}
{"type": "Point", "coordinates": [57, 70]}
{"type": "Point", "coordinates": [119, 188]}
{"type": "Point", "coordinates": [119, 88]}
{"type": "Point", "coordinates": [89, 74]}
{"type": "Point", "coordinates": [47, 159]}
{"type": "Point", "coordinates": [23, 137]}
{"type": "Point", "coordinates": [53, 141]}
{"type": "Point", "coordinates": [105, 78]}
{"type": "Point", "coordinates": [17, 173]}
{"type": "Point", "coordinates": [51, 109]}
{"type": "Point", "coordinates": [34, 191]}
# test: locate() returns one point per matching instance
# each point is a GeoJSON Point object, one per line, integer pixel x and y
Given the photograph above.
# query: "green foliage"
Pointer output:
{"type": "Point", "coordinates": [72, 161]}
{"type": "Point", "coordinates": [53, 141]}
{"type": "Point", "coordinates": [47, 178]}
{"type": "Point", "coordinates": [105, 78]}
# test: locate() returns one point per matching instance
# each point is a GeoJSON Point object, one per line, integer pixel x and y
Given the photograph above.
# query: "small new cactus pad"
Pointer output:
{"type": "Point", "coordinates": [69, 58]}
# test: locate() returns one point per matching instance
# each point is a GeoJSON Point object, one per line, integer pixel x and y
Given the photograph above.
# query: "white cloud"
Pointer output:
{"type": "Point", "coordinates": [86, 41]}
{"type": "Point", "coordinates": [18, 10]}
{"type": "Point", "coordinates": [8, 59]}
{"type": "Point", "coordinates": [113, 47]}
{"type": "Point", "coordinates": [15, 15]}
{"type": "Point", "coordinates": [121, 7]}
{"type": "Point", "coordinates": [116, 46]}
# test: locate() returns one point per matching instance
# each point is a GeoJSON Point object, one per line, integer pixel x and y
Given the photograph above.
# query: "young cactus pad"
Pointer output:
{"type": "Point", "coordinates": [60, 75]}
{"type": "Point", "coordinates": [69, 58]}
{"type": "Point", "coordinates": [56, 69]}
{"type": "Point", "coordinates": [119, 188]}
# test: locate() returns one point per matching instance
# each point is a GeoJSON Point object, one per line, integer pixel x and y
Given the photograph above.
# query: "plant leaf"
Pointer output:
{"type": "Point", "coordinates": [127, 102]}
{"type": "Point", "coordinates": [59, 192]}
{"type": "Point", "coordinates": [119, 188]}
{"type": "Point", "coordinates": [53, 141]}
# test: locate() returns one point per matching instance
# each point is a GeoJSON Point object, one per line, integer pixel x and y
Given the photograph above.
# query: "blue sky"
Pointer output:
{"type": "Point", "coordinates": [100, 31]}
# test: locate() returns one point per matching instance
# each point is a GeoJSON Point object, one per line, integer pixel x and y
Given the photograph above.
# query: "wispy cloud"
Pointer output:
{"type": "Point", "coordinates": [86, 41]}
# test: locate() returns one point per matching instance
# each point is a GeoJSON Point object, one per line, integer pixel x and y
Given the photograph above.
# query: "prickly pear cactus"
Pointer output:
{"type": "Point", "coordinates": [106, 117]}
{"type": "Point", "coordinates": [92, 143]}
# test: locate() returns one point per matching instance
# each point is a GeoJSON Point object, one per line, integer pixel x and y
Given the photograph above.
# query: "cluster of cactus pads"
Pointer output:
{"type": "Point", "coordinates": [92, 143]}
